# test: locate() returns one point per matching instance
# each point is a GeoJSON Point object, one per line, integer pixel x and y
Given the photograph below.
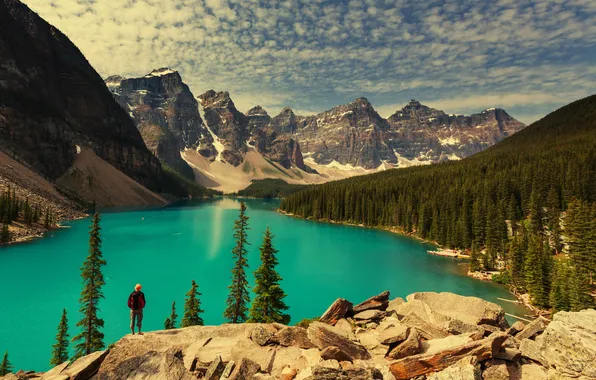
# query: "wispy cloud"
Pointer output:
{"type": "Point", "coordinates": [528, 56]}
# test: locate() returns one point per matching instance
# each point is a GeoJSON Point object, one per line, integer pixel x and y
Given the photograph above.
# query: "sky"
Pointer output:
{"type": "Point", "coordinates": [462, 56]}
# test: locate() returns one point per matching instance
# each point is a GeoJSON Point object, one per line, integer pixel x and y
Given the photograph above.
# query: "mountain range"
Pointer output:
{"type": "Point", "coordinates": [216, 139]}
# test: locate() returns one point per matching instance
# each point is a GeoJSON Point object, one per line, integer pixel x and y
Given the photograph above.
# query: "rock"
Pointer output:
{"type": "Point", "coordinates": [387, 322]}
{"type": "Point", "coordinates": [292, 336]}
{"type": "Point", "coordinates": [261, 334]}
{"type": "Point", "coordinates": [345, 328]}
{"type": "Point", "coordinates": [427, 330]}
{"type": "Point", "coordinates": [244, 370]}
{"type": "Point", "coordinates": [247, 349]}
{"type": "Point", "coordinates": [369, 315]}
{"type": "Point", "coordinates": [411, 346]}
{"type": "Point", "coordinates": [456, 327]}
{"type": "Point", "coordinates": [531, 372]}
{"type": "Point", "coordinates": [338, 310]}
{"type": "Point", "coordinates": [568, 344]}
{"type": "Point", "coordinates": [288, 373]}
{"type": "Point", "coordinates": [335, 353]}
{"type": "Point", "coordinates": [329, 363]}
{"type": "Point", "coordinates": [215, 370]}
{"type": "Point", "coordinates": [189, 354]}
{"type": "Point", "coordinates": [471, 310]}
{"type": "Point", "coordinates": [531, 329]}
{"type": "Point", "coordinates": [151, 365]}
{"type": "Point", "coordinates": [437, 345]}
{"type": "Point", "coordinates": [323, 336]}
{"type": "Point", "coordinates": [228, 370]}
{"type": "Point", "coordinates": [516, 328]}
{"type": "Point", "coordinates": [423, 364]}
{"type": "Point", "coordinates": [379, 302]}
{"type": "Point", "coordinates": [325, 373]}
{"type": "Point", "coordinates": [393, 304]}
{"type": "Point", "coordinates": [370, 341]}
{"type": "Point", "coordinates": [531, 350]}
{"type": "Point", "coordinates": [497, 371]}
{"type": "Point", "coordinates": [263, 376]}
{"type": "Point", "coordinates": [458, 371]}
{"type": "Point", "coordinates": [421, 310]}
{"type": "Point", "coordinates": [508, 354]}
{"type": "Point", "coordinates": [392, 335]}
{"type": "Point", "coordinates": [85, 367]}
{"type": "Point", "coordinates": [217, 346]}
{"type": "Point", "coordinates": [55, 371]}
{"type": "Point", "coordinates": [10, 376]}
{"type": "Point", "coordinates": [288, 357]}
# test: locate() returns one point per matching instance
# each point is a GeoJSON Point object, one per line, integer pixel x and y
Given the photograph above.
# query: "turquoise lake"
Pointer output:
{"type": "Point", "coordinates": [164, 249]}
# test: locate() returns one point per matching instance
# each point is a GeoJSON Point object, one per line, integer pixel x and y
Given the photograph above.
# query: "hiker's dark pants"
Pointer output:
{"type": "Point", "coordinates": [138, 314]}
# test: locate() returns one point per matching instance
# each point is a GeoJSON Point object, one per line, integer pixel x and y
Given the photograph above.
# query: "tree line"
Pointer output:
{"type": "Point", "coordinates": [268, 304]}
{"type": "Point", "coordinates": [515, 207]}
{"type": "Point", "coordinates": [14, 208]}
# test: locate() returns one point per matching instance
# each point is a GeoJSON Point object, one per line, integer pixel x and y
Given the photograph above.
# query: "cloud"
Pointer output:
{"type": "Point", "coordinates": [458, 55]}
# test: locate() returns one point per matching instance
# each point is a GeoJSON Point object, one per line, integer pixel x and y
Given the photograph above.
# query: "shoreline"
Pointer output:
{"type": "Point", "coordinates": [521, 299]}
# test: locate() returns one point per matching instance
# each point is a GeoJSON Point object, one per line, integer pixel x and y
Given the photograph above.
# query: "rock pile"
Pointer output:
{"type": "Point", "coordinates": [438, 336]}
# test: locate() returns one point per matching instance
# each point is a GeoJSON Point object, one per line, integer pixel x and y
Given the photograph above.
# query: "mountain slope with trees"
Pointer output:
{"type": "Point", "coordinates": [505, 205]}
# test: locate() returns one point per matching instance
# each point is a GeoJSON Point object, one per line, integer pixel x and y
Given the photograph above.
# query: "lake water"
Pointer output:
{"type": "Point", "coordinates": [165, 249]}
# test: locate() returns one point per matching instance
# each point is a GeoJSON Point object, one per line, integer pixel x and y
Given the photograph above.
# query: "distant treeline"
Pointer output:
{"type": "Point", "coordinates": [489, 204]}
{"type": "Point", "coordinates": [13, 208]}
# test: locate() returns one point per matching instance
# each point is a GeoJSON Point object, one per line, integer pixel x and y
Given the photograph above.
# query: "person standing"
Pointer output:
{"type": "Point", "coordinates": [136, 303]}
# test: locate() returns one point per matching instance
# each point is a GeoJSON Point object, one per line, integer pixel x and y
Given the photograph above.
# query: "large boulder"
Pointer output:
{"type": "Point", "coordinates": [394, 334]}
{"type": "Point", "coordinates": [379, 302]}
{"type": "Point", "coordinates": [567, 346]}
{"type": "Point", "coordinates": [410, 346]}
{"type": "Point", "coordinates": [531, 329]}
{"type": "Point", "coordinates": [85, 367]}
{"type": "Point", "coordinates": [328, 373]}
{"type": "Point", "coordinates": [339, 309]}
{"type": "Point", "coordinates": [151, 365]}
{"type": "Point", "coordinates": [471, 310]}
{"type": "Point", "coordinates": [292, 336]}
{"type": "Point", "coordinates": [323, 336]}
{"type": "Point", "coordinates": [423, 364]}
{"type": "Point", "coordinates": [244, 370]}
{"type": "Point", "coordinates": [426, 329]}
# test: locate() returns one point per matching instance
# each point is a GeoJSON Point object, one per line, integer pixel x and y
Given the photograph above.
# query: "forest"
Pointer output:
{"type": "Point", "coordinates": [526, 206]}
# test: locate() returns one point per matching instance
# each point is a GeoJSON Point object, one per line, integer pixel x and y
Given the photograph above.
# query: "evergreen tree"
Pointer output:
{"type": "Point", "coordinates": [5, 234]}
{"type": "Point", "coordinates": [91, 338]}
{"type": "Point", "coordinates": [474, 261]}
{"type": "Point", "coordinates": [60, 348]}
{"type": "Point", "coordinates": [560, 291]}
{"type": "Point", "coordinates": [5, 366]}
{"type": "Point", "coordinates": [268, 305]}
{"type": "Point", "coordinates": [192, 309]}
{"type": "Point", "coordinates": [534, 272]}
{"type": "Point", "coordinates": [236, 310]}
{"type": "Point", "coordinates": [580, 290]}
{"type": "Point", "coordinates": [170, 322]}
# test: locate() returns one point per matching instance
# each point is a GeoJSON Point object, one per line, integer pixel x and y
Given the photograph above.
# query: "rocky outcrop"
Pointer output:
{"type": "Point", "coordinates": [165, 112]}
{"type": "Point", "coordinates": [52, 100]}
{"type": "Point", "coordinates": [385, 348]}
{"type": "Point", "coordinates": [567, 347]}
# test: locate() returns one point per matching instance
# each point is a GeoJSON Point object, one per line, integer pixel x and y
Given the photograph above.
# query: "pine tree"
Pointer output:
{"type": "Point", "coordinates": [60, 348]}
{"type": "Point", "coordinates": [91, 338]}
{"type": "Point", "coordinates": [170, 322]}
{"type": "Point", "coordinates": [5, 366]}
{"type": "Point", "coordinates": [534, 272]}
{"type": "Point", "coordinates": [238, 298]}
{"type": "Point", "coordinates": [560, 291]}
{"type": "Point", "coordinates": [192, 308]}
{"type": "Point", "coordinates": [268, 305]}
{"type": "Point", "coordinates": [474, 261]}
{"type": "Point", "coordinates": [5, 234]}
{"type": "Point", "coordinates": [580, 290]}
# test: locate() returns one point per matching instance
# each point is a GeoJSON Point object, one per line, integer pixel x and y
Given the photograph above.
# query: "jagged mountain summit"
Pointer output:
{"type": "Point", "coordinates": [211, 136]}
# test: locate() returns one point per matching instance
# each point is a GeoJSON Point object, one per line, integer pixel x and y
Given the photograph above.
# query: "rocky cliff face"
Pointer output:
{"type": "Point", "coordinates": [434, 336]}
{"type": "Point", "coordinates": [238, 132]}
{"type": "Point", "coordinates": [165, 112]}
{"type": "Point", "coordinates": [52, 100]}
{"type": "Point", "coordinates": [420, 132]}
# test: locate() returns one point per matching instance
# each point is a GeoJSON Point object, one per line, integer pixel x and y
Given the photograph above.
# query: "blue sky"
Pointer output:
{"type": "Point", "coordinates": [529, 57]}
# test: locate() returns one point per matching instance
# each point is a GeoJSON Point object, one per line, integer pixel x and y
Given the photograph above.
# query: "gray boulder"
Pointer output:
{"type": "Point", "coordinates": [323, 336]}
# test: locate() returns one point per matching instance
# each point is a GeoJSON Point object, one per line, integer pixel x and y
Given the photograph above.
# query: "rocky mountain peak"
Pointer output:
{"type": "Point", "coordinates": [220, 99]}
{"type": "Point", "coordinates": [114, 80]}
{"type": "Point", "coordinates": [161, 72]}
{"type": "Point", "coordinates": [257, 111]}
